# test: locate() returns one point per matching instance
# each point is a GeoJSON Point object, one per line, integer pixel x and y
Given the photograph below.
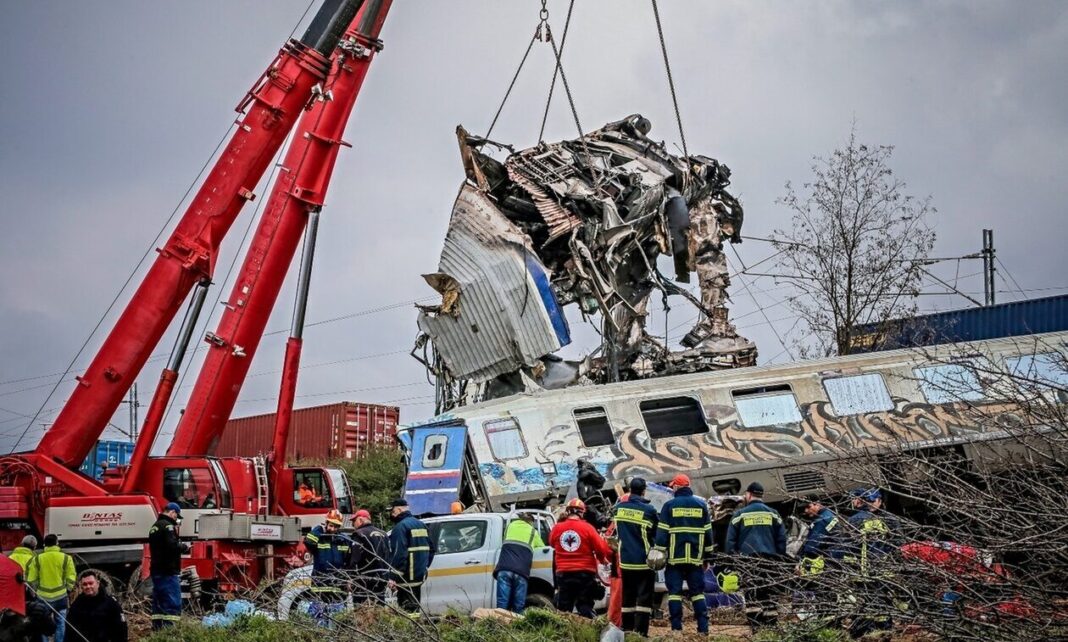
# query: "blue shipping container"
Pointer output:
{"type": "Point", "coordinates": [106, 454]}
{"type": "Point", "coordinates": [1018, 318]}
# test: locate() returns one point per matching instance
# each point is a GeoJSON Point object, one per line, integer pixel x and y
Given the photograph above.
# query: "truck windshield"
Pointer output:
{"type": "Point", "coordinates": [341, 490]}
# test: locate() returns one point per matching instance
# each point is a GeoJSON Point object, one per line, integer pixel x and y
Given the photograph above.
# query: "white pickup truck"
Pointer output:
{"type": "Point", "coordinates": [461, 577]}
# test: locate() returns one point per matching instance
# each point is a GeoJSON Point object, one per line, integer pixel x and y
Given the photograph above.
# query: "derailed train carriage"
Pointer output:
{"type": "Point", "coordinates": [815, 427]}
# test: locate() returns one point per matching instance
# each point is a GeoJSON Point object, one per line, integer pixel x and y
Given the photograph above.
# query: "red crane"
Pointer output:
{"type": "Point", "coordinates": [42, 491]}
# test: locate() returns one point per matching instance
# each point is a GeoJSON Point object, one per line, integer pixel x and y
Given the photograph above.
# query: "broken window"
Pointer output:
{"type": "Point", "coordinates": [950, 383]}
{"type": "Point", "coordinates": [673, 417]}
{"type": "Point", "coordinates": [766, 406]}
{"type": "Point", "coordinates": [434, 451]}
{"type": "Point", "coordinates": [505, 439]}
{"type": "Point", "coordinates": [858, 394]}
{"type": "Point", "coordinates": [594, 427]}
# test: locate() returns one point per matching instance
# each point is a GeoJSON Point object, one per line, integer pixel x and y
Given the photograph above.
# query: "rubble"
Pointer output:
{"type": "Point", "coordinates": [579, 222]}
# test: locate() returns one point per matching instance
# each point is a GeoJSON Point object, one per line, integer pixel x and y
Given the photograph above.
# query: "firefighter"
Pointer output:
{"type": "Point", "coordinates": [873, 535]}
{"type": "Point", "coordinates": [684, 534]}
{"type": "Point", "coordinates": [412, 554]}
{"type": "Point", "coordinates": [330, 549]}
{"type": "Point", "coordinates": [757, 531]}
{"type": "Point", "coordinates": [635, 522]}
{"type": "Point", "coordinates": [577, 549]}
{"type": "Point", "coordinates": [370, 557]}
{"type": "Point", "coordinates": [516, 559]}
{"type": "Point", "coordinates": [821, 541]}
{"type": "Point", "coordinates": [24, 553]}
{"type": "Point", "coordinates": [165, 549]}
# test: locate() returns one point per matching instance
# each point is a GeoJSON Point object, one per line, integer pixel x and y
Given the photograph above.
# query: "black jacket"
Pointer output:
{"type": "Point", "coordinates": [96, 619]}
{"type": "Point", "coordinates": [370, 555]}
{"type": "Point", "coordinates": [165, 547]}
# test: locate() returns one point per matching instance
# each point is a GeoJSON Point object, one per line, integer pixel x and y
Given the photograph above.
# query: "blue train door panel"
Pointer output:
{"type": "Point", "coordinates": [434, 471]}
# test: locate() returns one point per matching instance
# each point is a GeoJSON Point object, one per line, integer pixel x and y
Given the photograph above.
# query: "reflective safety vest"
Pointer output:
{"type": "Point", "coordinates": [413, 550]}
{"type": "Point", "coordinates": [685, 529]}
{"type": "Point", "coordinates": [635, 521]}
{"type": "Point", "coordinates": [517, 551]}
{"type": "Point", "coordinates": [330, 551]}
{"type": "Point", "coordinates": [875, 532]}
{"type": "Point", "coordinates": [22, 556]}
{"type": "Point", "coordinates": [51, 574]}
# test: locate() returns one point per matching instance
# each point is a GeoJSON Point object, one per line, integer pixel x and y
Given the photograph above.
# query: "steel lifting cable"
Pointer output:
{"type": "Point", "coordinates": [552, 85]}
{"type": "Point", "coordinates": [671, 81]}
{"type": "Point", "coordinates": [511, 85]}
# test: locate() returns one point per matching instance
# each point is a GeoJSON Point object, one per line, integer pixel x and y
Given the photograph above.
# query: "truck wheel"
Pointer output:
{"type": "Point", "coordinates": [540, 601]}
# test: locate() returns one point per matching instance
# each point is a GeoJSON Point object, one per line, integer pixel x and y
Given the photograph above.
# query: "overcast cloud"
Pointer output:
{"type": "Point", "coordinates": [109, 109]}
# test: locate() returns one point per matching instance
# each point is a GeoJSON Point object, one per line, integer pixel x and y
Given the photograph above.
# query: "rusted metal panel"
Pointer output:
{"type": "Point", "coordinates": [343, 430]}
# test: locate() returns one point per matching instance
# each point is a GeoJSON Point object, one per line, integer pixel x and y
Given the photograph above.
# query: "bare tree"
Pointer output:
{"type": "Point", "coordinates": [857, 247]}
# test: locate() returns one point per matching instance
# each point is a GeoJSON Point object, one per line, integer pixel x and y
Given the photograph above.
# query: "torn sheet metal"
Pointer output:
{"type": "Point", "coordinates": [581, 222]}
{"type": "Point", "coordinates": [498, 312]}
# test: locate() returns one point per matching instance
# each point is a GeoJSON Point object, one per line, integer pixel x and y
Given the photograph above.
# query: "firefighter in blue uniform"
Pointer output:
{"type": "Point", "coordinates": [165, 550]}
{"type": "Point", "coordinates": [821, 541]}
{"type": "Point", "coordinates": [636, 521]}
{"type": "Point", "coordinates": [757, 531]}
{"type": "Point", "coordinates": [873, 534]}
{"type": "Point", "coordinates": [412, 554]}
{"type": "Point", "coordinates": [684, 533]}
{"type": "Point", "coordinates": [330, 549]}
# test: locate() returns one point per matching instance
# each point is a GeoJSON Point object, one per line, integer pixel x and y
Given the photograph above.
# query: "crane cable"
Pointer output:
{"type": "Point", "coordinates": [671, 81]}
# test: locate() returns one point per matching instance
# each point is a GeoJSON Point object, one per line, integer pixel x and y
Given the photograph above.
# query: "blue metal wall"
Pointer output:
{"type": "Point", "coordinates": [1032, 316]}
{"type": "Point", "coordinates": [106, 454]}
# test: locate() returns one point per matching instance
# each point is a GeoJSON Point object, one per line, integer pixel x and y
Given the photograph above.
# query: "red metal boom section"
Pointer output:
{"type": "Point", "coordinates": [300, 188]}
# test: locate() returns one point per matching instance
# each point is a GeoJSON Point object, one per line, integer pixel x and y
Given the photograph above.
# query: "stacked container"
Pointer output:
{"type": "Point", "coordinates": [341, 430]}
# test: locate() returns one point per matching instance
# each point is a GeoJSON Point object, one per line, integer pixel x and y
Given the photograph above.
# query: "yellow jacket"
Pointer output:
{"type": "Point", "coordinates": [22, 556]}
{"type": "Point", "coordinates": [51, 573]}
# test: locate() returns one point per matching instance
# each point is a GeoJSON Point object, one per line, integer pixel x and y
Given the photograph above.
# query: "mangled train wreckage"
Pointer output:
{"type": "Point", "coordinates": [578, 222]}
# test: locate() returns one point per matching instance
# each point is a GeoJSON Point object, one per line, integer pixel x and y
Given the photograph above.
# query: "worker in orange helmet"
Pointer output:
{"type": "Point", "coordinates": [330, 549]}
{"type": "Point", "coordinates": [306, 496]}
{"type": "Point", "coordinates": [577, 549]}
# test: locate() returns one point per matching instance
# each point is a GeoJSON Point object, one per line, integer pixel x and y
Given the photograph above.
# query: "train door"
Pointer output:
{"type": "Point", "coordinates": [435, 467]}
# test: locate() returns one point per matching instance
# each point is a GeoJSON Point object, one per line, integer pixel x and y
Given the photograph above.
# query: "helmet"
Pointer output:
{"type": "Point", "coordinates": [657, 559]}
{"type": "Point", "coordinates": [334, 517]}
{"type": "Point", "coordinates": [576, 504]}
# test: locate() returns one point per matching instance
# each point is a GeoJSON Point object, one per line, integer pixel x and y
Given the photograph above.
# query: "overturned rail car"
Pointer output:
{"type": "Point", "coordinates": [792, 427]}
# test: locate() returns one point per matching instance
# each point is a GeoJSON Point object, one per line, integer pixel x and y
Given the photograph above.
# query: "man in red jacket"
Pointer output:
{"type": "Point", "coordinates": [577, 548]}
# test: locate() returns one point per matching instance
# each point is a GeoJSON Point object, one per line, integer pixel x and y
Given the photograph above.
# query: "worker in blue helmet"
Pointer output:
{"type": "Point", "coordinates": [165, 550]}
{"type": "Point", "coordinates": [872, 537]}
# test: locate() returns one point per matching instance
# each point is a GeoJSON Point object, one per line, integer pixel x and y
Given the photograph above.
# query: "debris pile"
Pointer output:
{"type": "Point", "coordinates": [580, 222]}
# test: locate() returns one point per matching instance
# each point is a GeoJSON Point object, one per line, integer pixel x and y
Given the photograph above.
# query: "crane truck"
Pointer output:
{"type": "Point", "coordinates": [239, 512]}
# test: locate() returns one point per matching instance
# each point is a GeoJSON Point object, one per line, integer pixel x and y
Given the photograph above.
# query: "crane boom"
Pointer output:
{"type": "Point", "coordinates": [300, 189]}
{"type": "Point", "coordinates": [269, 111]}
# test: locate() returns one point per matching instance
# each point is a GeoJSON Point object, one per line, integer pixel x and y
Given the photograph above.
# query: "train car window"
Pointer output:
{"type": "Point", "coordinates": [949, 383]}
{"type": "Point", "coordinates": [673, 417]}
{"type": "Point", "coordinates": [759, 407]}
{"type": "Point", "coordinates": [858, 394]}
{"type": "Point", "coordinates": [594, 427]}
{"type": "Point", "coordinates": [434, 451]}
{"type": "Point", "coordinates": [505, 439]}
{"type": "Point", "coordinates": [1047, 369]}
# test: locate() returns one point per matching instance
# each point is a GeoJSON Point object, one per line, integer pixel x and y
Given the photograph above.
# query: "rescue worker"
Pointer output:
{"type": "Point", "coordinates": [95, 616]}
{"type": "Point", "coordinates": [165, 549]}
{"type": "Point", "coordinates": [25, 552]}
{"type": "Point", "coordinates": [515, 561]}
{"type": "Point", "coordinates": [51, 575]}
{"type": "Point", "coordinates": [635, 522]}
{"type": "Point", "coordinates": [577, 549]}
{"type": "Point", "coordinates": [873, 535]}
{"type": "Point", "coordinates": [684, 534]}
{"type": "Point", "coordinates": [412, 552]}
{"type": "Point", "coordinates": [821, 541]}
{"type": "Point", "coordinates": [330, 550]}
{"type": "Point", "coordinates": [306, 496]}
{"type": "Point", "coordinates": [757, 531]}
{"type": "Point", "coordinates": [370, 557]}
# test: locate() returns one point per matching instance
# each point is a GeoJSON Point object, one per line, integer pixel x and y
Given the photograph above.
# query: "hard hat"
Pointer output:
{"type": "Point", "coordinates": [456, 508]}
{"type": "Point", "coordinates": [576, 504]}
{"type": "Point", "coordinates": [679, 481]}
{"type": "Point", "coordinates": [867, 494]}
{"type": "Point", "coordinates": [334, 517]}
{"type": "Point", "coordinates": [173, 506]}
{"type": "Point", "coordinates": [657, 559]}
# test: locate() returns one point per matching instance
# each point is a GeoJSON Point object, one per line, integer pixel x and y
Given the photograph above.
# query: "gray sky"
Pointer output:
{"type": "Point", "coordinates": [109, 109]}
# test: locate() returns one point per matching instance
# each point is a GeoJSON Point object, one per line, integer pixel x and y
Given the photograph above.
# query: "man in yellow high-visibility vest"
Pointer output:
{"type": "Point", "coordinates": [51, 575]}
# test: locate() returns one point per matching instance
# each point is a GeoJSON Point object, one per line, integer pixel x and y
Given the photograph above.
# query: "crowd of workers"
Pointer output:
{"type": "Point", "coordinates": [716, 554]}
{"type": "Point", "coordinates": [36, 586]}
